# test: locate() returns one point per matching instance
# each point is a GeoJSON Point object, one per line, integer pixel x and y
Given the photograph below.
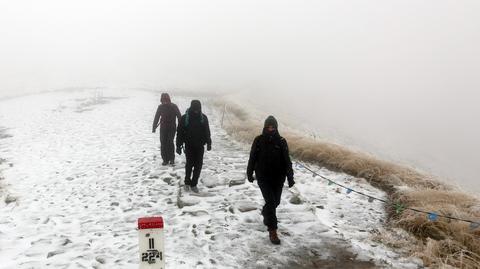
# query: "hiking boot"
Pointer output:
{"type": "Point", "coordinates": [165, 163]}
{"type": "Point", "coordinates": [274, 237]}
{"type": "Point", "coordinates": [195, 189]}
{"type": "Point", "coordinates": [172, 162]}
{"type": "Point", "coordinates": [188, 182]}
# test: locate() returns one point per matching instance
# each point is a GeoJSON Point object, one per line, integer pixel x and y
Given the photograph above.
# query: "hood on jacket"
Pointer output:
{"type": "Point", "coordinates": [165, 99]}
{"type": "Point", "coordinates": [195, 106]}
{"type": "Point", "coordinates": [270, 121]}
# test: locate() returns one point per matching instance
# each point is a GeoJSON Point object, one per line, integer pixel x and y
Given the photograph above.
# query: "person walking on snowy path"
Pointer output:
{"type": "Point", "coordinates": [193, 131]}
{"type": "Point", "coordinates": [167, 113]}
{"type": "Point", "coordinates": [270, 160]}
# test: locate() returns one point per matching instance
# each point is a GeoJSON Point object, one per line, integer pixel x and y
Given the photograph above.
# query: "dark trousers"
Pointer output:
{"type": "Point", "coordinates": [194, 156]}
{"type": "Point", "coordinates": [167, 147]}
{"type": "Point", "coordinates": [272, 193]}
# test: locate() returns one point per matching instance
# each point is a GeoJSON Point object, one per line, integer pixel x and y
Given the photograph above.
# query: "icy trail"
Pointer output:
{"type": "Point", "coordinates": [84, 165]}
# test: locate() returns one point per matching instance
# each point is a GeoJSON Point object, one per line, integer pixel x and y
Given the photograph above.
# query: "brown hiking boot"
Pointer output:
{"type": "Point", "coordinates": [274, 237]}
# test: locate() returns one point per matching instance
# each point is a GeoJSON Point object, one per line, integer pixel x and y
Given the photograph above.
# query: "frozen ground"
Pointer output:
{"type": "Point", "coordinates": [80, 167]}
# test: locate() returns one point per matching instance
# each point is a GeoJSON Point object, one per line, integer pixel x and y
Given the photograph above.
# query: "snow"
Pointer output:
{"type": "Point", "coordinates": [81, 167]}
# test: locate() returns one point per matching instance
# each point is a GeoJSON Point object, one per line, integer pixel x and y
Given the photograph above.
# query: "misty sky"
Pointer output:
{"type": "Point", "coordinates": [399, 78]}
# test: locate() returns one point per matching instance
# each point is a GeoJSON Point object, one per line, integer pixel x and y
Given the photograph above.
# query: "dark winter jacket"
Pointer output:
{"type": "Point", "coordinates": [167, 113]}
{"type": "Point", "coordinates": [194, 129]}
{"type": "Point", "coordinates": [269, 156]}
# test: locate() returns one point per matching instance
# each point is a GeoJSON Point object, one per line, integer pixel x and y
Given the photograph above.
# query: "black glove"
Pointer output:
{"type": "Point", "coordinates": [291, 182]}
{"type": "Point", "coordinates": [209, 147]}
{"type": "Point", "coordinates": [179, 150]}
{"type": "Point", "coordinates": [250, 178]}
{"type": "Point", "coordinates": [153, 130]}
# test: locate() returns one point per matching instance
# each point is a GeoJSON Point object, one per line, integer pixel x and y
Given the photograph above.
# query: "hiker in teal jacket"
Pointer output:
{"type": "Point", "coordinates": [193, 134]}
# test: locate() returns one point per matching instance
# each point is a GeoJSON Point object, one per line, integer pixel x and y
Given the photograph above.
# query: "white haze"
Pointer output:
{"type": "Point", "coordinates": [399, 79]}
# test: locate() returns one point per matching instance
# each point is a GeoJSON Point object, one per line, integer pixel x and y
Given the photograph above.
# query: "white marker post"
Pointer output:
{"type": "Point", "coordinates": [151, 243]}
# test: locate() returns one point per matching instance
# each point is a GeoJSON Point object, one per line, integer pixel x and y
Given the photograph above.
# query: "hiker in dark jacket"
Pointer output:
{"type": "Point", "coordinates": [167, 114]}
{"type": "Point", "coordinates": [193, 131]}
{"type": "Point", "coordinates": [270, 159]}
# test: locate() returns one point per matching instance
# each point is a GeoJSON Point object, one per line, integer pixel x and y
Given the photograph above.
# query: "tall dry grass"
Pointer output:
{"type": "Point", "coordinates": [442, 243]}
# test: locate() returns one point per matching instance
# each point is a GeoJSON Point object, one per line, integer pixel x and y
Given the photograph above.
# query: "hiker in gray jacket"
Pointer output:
{"type": "Point", "coordinates": [167, 113]}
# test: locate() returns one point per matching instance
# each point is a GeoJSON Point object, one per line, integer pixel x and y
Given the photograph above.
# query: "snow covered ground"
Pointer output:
{"type": "Point", "coordinates": [81, 167]}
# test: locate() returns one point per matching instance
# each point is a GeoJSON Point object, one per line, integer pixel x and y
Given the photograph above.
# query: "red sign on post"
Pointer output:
{"type": "Point", "coordinates": [150, 223]}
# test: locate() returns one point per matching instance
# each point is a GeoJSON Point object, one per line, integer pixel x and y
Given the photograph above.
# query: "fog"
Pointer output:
{"type": "Point", "coordinates": [399, 79]}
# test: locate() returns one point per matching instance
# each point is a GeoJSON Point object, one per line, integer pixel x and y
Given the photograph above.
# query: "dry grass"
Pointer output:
{"type": "Point", "coordinates": [440, 244]}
